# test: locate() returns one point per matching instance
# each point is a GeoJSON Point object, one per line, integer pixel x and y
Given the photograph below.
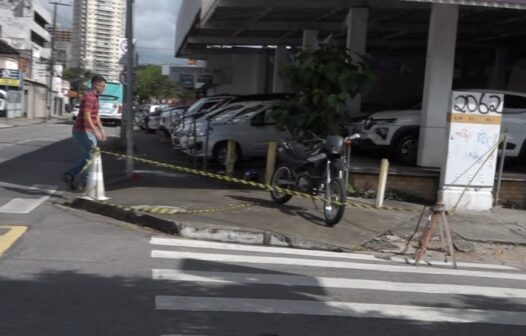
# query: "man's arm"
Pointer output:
{"type": "Point", "coordinates": [101, 128]}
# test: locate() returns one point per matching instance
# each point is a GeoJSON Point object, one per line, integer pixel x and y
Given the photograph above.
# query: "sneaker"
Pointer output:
{"type": "Point", "coordinates": [69, 180]}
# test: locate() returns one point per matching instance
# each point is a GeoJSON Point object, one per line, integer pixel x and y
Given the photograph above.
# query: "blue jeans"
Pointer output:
{"type": "Point", "coordinates": [87, 141]}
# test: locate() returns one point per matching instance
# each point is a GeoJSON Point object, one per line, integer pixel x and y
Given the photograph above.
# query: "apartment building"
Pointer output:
{"type": "Point", "coordinates": [24, 26]}
{"type": "Point", "coordinates": [63, 47]}
{"type": "Point", "coordinates": [97, 29]}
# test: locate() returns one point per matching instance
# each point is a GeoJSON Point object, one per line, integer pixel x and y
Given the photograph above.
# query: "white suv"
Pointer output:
{"type": "Point", "coordinates": [397, 131]}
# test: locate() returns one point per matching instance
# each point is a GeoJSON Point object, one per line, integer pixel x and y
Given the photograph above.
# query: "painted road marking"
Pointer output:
{"type": "Point", "coordinates": [26, 205]}
{"type": "Point", "coordinates": [21, 205]}
{"type": "Point", "coordinates": [178, 255]}
{"type": "Point", "coordinates": [314, 253]}
{"type": "Point", "coordinates": [336, 308]}
{"type": "Point", "coordinates": [328, 282]}
{"type": "Point", "coordinates": [7, 239]}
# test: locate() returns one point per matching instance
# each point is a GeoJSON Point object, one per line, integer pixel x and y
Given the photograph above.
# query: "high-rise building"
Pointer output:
{"type": "Point", "coordinates": [97, 29]}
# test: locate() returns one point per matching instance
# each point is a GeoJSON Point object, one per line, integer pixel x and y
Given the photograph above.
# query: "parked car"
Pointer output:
{"type": "Point", "coordinates": [154, 118]}
{"type": "Point", "coordinates": [397, 130]}
{"type": "Point", "coordinates": [251, 131]}
{"type": "Point", "coordinates": [190, 127]}
{"type": "Point", "coordinates": [3, 103]}
{"type": "Point", "coordinates": [196, 110]}
{"type": "Point", "coordinates": [169, 119]}
{"type": "Point", "coordinates": [146, 112]}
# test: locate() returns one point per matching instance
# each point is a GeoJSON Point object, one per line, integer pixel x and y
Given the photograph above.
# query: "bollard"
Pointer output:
{"type": "Point", "coordinates": [501, 168]}
{"type": "Point", "coordinates": [205, 150]}
{"type": "Point", "coordinates": [382, 181]}
{"type": "Point", "coordinates": [230, 157]}
{"type": "Point", "coordinates": [271, 161]}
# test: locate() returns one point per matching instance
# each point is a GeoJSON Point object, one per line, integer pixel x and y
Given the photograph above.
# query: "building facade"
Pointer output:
{"type": "Point", "coordinates": [24, 26]}
{"type": "Point", "coordinates": [97, 29]}
{"type": "Point", "coordinates": [63, 47]}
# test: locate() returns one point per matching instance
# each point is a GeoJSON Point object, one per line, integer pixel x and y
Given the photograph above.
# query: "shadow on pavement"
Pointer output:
{"type": "Point", "coordinates": [64, 303]}
{"type": "Point", "coordinates": [286, 209]}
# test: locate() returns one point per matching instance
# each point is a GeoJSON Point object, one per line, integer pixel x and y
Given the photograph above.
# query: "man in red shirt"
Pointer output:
{"type": "Point", "coordinates": [87, 130]}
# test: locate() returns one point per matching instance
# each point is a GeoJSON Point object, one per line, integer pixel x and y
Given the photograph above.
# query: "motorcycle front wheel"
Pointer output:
{"type": "Point", "coordinates": [333, 212]}
{"type": "Point", "coordinates": [282, 178]}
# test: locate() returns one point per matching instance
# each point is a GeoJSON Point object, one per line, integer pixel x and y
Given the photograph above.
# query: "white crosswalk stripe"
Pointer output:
{"type": "Point", "coordinates": [245, 279]}
{"type": "Point", "coordinates": [283, 250]}
{"type": "Point", "coordinates": [27, 205]}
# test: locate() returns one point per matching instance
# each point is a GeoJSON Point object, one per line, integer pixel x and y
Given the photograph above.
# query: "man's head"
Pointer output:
{"type": "Point", "coordinates": [98, 83]}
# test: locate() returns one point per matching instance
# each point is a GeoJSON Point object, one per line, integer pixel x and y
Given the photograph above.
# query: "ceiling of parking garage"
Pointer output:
{"type": "Point", "coordinates": [392, 25]}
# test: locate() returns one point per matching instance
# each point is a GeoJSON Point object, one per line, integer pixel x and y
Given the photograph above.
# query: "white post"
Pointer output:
{"type": "Point", "coordinates": [356, 41]}
{"type": "Point", "coordinates": [438, 83]}
{"type": "Point", "coordinates": [382, 181]}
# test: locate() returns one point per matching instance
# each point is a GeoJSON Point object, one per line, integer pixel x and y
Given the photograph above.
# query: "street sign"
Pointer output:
{"type": "Point", "coordinates": [123, 47]}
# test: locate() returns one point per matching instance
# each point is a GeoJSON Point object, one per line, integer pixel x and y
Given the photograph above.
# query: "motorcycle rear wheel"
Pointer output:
{"type": "Point", "coordinates": [282, 178]}
{"type": "Point", "coordinates": [334, 212]}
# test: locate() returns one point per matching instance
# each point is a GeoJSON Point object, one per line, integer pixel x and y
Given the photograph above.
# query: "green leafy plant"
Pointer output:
{"type": "Point", "coordinates": [150, 83]}
{"type": "Point", "coordinates": [324, 81]}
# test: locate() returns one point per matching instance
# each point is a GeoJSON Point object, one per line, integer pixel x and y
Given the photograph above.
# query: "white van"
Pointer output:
{"type": "Point", "coordinates": [251, 130]}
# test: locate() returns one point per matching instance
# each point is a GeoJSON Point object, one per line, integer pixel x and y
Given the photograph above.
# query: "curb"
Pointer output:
{"type": "Point", "coordinates": [202, 231]}
{"type": "Point", "coordinates": [23, 124]}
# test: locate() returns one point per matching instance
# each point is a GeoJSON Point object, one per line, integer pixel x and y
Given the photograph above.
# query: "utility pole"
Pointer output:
{"type": "Point", "coordinates": [129, 88]}
{"type": "Point", "coordinates": [52, 60]}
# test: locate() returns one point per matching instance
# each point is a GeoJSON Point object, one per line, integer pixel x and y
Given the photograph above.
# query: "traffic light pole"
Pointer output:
{"type": "Point", "coordinates": [129, 88]}
{"type": "Point", "coordinates": [49, 99]}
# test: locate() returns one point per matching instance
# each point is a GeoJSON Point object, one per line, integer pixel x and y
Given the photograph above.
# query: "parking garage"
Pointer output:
{"type": "Point", "coordinates": [421, 50]}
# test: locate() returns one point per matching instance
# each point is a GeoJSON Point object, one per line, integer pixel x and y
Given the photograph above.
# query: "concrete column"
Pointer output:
{"type": "Point", "coordinates": [356, 41]}
{"type": "Point", "coordinates": [502, 65]}
{"type": "Point", "coordinates": [280, 59]}
{"type": "Point", "coordinates": [310, 38]}
{"type": "Point", "coordinates": [438, 84]}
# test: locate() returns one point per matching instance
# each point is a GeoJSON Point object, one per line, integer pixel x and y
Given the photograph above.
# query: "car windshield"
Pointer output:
{"type": "Point", "coordinates": [200, 105]}
{"type": "Point", "coordinates": [224, 117]}
{"type": "Point", "coordinates": [228, 109]}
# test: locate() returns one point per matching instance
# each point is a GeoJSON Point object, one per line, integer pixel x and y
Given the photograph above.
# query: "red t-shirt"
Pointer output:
{"type": "Point", "coordinates": [89, 103]}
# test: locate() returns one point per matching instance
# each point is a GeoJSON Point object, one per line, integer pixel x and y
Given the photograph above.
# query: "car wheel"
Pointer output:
{"type": "Point", "coordinates": [220, 153]}
{"type": "Point", "coordinates": [406, 150]}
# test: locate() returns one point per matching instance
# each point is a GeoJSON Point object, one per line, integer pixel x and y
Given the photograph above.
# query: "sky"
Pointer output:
{"type": "Point", "coordinates": [154, 28]}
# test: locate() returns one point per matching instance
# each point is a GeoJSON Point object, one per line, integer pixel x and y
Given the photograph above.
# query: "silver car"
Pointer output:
{"type": "Point", "coordinates": [251, 130]}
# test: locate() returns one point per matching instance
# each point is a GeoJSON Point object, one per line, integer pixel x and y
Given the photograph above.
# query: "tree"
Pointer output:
{"type": "Point", "coordinates": [324, 80]}
{"type": "Point", "coordinates": [151, 83]}
{"type": "Point", "coordinates": [74, 75]}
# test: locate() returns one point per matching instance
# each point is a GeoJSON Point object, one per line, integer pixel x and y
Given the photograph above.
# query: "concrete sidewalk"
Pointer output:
{"type": "Point", "coordinates": [17, 122]}
{"type": "Point", "coordinates": [221, 213]}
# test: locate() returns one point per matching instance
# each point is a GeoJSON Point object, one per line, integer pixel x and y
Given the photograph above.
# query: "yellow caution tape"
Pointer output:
{"type": "Point", "coordinates": [258, 185]}
{"type": "Point", "coordinates": [167, 210]}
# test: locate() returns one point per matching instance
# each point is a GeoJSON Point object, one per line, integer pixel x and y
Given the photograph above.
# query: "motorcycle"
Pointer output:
{"type": "Point", "coordinates": [317, 169]}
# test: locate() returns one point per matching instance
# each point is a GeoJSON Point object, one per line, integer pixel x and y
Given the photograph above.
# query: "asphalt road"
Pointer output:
{"type": "Point", "coordinates": [66, 272]}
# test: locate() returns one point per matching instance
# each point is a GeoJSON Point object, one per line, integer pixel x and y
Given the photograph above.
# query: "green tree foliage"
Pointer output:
{"type": "Point", "coordinates": [74, 75]}
{"type": "Point", "coordinates": [324, 80]}
{"type": "Point", "coordinates": [150, 83]}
